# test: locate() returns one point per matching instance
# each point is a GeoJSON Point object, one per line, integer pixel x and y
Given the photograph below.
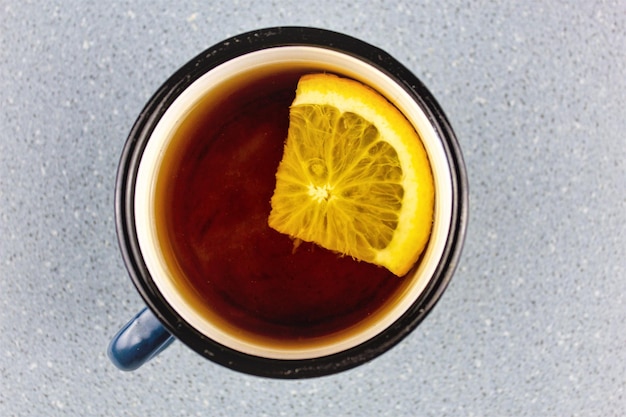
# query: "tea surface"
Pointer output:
{"type": "Point", "coordinates": [214, 205]}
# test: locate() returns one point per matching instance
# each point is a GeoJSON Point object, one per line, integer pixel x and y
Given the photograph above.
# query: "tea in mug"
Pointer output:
{"type": "Point", "coordinates": [212, 205]}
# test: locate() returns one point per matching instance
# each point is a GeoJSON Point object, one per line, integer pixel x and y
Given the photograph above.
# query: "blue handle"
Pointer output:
{"type": "Point", "coordinates": [140, 340]}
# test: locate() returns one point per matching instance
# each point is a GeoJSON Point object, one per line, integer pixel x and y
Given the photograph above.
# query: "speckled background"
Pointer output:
{"type": "Point", "coordinates": [534, 321]}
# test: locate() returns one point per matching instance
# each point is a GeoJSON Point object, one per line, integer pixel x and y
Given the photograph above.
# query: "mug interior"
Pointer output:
{"type": "Point", "coordinates": [254, 64]}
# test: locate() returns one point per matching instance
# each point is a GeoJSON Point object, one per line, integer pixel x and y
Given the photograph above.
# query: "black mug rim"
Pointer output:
{"type": "Point", "coordinates": [160, 102]}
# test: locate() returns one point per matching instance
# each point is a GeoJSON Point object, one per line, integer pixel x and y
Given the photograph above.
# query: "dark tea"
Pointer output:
{"type": "Point", "coordinates": [213, 202]}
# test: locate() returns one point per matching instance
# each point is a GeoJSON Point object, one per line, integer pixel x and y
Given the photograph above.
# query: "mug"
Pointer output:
{"type": "Point", "coordinates": [175, 312]}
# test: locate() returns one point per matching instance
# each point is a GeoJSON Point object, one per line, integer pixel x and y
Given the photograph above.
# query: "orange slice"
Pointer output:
{"type": "Point", "coordinates": [354, 177]}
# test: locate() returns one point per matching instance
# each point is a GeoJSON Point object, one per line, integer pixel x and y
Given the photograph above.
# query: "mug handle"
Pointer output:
{"type": "Point", "coordinates": [140, 340]}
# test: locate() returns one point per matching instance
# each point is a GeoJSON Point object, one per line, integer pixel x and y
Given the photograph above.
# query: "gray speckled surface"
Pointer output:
{"type": "Point", "coordinates": [533, 323]}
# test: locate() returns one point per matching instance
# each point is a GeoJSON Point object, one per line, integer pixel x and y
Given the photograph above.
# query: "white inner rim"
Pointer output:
{"type": "Point", "coordinates": [326, 60]}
